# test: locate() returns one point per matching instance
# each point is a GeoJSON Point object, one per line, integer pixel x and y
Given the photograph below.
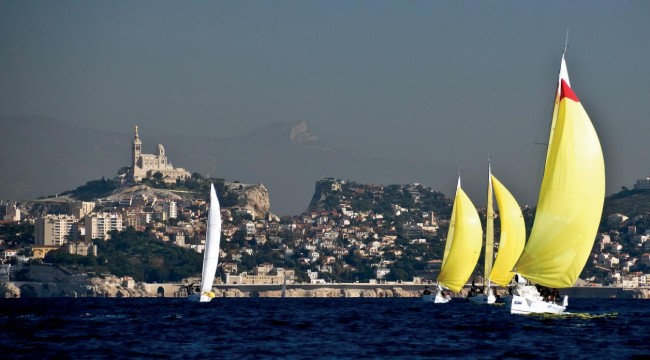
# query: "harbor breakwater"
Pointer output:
{"type": "Point", "coordinates": [112, 287]}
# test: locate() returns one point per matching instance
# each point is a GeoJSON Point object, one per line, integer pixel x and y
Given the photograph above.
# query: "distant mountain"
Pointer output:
{"type": "Point", "coordinates": [45, 156]}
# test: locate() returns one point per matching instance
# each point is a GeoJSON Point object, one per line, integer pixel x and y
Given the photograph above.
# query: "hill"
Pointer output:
{"type": "Point", "coordinates": [629, 202]}
{"type": "Point", "coordinates": [49, 156]}
{"type": "Point", "coordinates": [132, 253]}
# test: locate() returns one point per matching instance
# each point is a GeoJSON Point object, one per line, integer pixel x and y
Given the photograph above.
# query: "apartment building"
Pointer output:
{"type": "Point", "coordinates": [55, 230]}
{"type": "Point", "coordinates": [98, 225]}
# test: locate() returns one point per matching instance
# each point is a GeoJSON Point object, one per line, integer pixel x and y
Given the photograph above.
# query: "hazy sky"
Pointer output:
{"type": "Point", "coordinates": [448, 80]}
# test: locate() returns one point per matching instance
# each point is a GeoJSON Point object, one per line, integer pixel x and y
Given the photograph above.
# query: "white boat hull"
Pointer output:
{"type": "Point", "coordinates": [522, 305]}
{"type": "Point", "coordinates": [482, 299]}
{"type": "Point", "coordinates": [199, 298]}
{"type": "Point", "coordinates": [436, 298]}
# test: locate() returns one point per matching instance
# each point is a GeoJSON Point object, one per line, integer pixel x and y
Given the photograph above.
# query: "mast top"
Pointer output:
{"type": "Point", "coordinates": [566, 42]}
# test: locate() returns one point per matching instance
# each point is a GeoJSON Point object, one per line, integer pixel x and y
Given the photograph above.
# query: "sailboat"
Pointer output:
{"type": "Point", "coordinates": [462, 249]}
{"type": "Point", "coordinates": [511, 240]}
{"type": "Point", "coordinates": [569, 208]}
{"type": "Point", "coordinates": [211, 251]}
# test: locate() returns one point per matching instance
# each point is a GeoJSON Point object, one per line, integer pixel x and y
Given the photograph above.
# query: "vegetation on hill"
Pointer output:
{"type": "Point", "coordinates": [17, 234]}
{"type": "Point", "coordinates": [194, 187]}
{"type": "Point", "coordinates": [94, 189]}
{"type": "Point", "coordinates": [133, 253]}
{"type": "Point", "coordinates": [629, 202]}
{"type": "Point", "coordinates": [378, 199]}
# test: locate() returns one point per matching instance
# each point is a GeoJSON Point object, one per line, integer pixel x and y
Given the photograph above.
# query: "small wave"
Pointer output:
{"type": "Point", "coordinates": [590, 316]}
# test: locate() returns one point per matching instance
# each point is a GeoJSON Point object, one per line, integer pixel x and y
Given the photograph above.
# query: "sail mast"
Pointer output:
{"type": "Point", "coordinates": [489, 230]}
{"type": "Point", "coordinates": [571, 196]}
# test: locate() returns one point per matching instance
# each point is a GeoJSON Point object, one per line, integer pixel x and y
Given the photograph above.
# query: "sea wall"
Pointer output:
{"type": "Point", "coordinates": [94, 287]}
{"type": "Point", "coordinates": [114, 287]}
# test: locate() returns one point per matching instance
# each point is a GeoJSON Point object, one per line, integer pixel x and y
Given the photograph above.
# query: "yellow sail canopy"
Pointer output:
{"type": "Point", "coordinates": [464, 241]}
{"type": "Point", "coordinates": [513, 234]}
{"type": "Point", "coordinates": [571, 197]}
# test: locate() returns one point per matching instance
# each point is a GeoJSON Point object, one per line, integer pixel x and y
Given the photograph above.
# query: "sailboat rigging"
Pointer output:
{"type": "Point", "coordinates": [511, 240]}
{"type": "Point", "coordinates": [211, 251]}
{"type": "Point", "coordinates": [569, 208]}
{"type": "Point", "coordinates": [462, 249]}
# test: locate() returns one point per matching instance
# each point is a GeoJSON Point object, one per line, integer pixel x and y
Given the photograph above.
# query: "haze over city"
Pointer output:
{"type": "Point", "coordinates": [443, 83]}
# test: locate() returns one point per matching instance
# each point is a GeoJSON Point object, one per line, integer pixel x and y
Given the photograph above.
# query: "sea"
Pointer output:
{"type": "Point", "coordinates": [317, 328]}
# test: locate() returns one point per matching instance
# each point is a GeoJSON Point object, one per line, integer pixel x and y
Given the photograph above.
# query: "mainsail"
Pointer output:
{"type": "Point", "coordinates": [513, 234]}
{"type": "Point", "coordinates": [464, 241]}
{"type": "Point", "coordinates": [211, 252]}
{"type": "Point", "coordinates": [571, 197]}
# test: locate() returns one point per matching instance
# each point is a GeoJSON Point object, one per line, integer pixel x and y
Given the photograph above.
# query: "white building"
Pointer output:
{"type": "Point", "coordinates": [249, 228]}
{"type": "Point", "coordinates": [170, 209]}
{"type": "Point", "coordinates": [81, 248]}
{"type": "Point", "coordinates": [82, 208]}
{"type": "Point", "coordinates": [146, 165]}
{"type": "Point", "coordinates": [381, 272]}
{"type": "Point", "coordinates": [642, 184]}
{"type": "Point", "coordinates": [99, 225]}
{"type": "Point", "coordinates": [9, 212]}
{"type": "Point", "coordinates": [55, 230]}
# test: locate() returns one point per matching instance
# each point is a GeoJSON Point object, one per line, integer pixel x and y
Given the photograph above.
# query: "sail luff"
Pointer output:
{"type": "Point", "coordinates": [512, 235]}
{"type": "Point", "coordinates": [452, 226]}
{"type": "Point", "coordinates": [571, 196]}
{"type": "Point", "coordinates": [212, 240]}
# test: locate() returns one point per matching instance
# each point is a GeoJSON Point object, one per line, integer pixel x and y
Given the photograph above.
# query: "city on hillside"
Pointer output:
{"type": "Point", "coordinates": [149, 222]}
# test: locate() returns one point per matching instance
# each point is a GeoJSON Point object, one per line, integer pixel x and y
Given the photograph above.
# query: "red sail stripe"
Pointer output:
{"type": "Point", "coordinates": [566, 91]}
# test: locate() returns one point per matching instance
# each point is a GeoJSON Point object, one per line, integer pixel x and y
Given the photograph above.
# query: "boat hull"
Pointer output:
{"type": "Point", "coordinates": [482, 299]}
{"type": "Point", "coordinates": [522, 305]}
{"type": "Point", "coordinates": [436, 298]}
{"type": "Point", "coordinates": [199, 298]}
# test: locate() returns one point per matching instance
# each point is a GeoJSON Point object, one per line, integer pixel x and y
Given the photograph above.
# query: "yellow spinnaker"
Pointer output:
{"type": "Point", "coordinates": [513, 234]}
{"type": "Point", "coordinates": [571, 197]}
{"type": "Point", "coordinates": [464, 241]}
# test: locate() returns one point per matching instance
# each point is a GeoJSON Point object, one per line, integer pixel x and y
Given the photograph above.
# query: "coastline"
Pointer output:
{"type": "Point", "coordinates": [112, 287]}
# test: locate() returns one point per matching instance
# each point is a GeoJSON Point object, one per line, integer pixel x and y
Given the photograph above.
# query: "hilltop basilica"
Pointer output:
{"type": "Point", "coordinates": [146, 165]}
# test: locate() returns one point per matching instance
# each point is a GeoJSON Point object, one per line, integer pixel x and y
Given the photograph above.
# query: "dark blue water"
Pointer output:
{"type": "Point", "coordinates": [308, 328]}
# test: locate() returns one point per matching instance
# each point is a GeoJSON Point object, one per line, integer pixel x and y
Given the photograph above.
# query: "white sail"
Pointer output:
{"type": "Point", "coordinates": [211, 251]}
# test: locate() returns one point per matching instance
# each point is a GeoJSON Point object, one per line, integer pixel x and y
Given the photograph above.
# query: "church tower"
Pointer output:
{"type": "Point", "coordinates": [136, 148]}
{"type": "Point", "coordinates": [146, 165]}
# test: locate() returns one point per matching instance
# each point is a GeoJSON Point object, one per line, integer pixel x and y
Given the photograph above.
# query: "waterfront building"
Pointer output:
{"type": "Point", "coordinates": [262, 276]}
{"type": "Point", "coordinates": [55, 230]}
{"type": "Point", "coordinates": [381, 272]}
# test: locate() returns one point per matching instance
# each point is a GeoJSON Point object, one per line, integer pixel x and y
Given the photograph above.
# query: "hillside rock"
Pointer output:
{"type": "Point", "coordinates": [254, 198]}
{"type": "Point", "coordinates": [144, 190]}
{"type": "Point", "coordinates": [9, 290]}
